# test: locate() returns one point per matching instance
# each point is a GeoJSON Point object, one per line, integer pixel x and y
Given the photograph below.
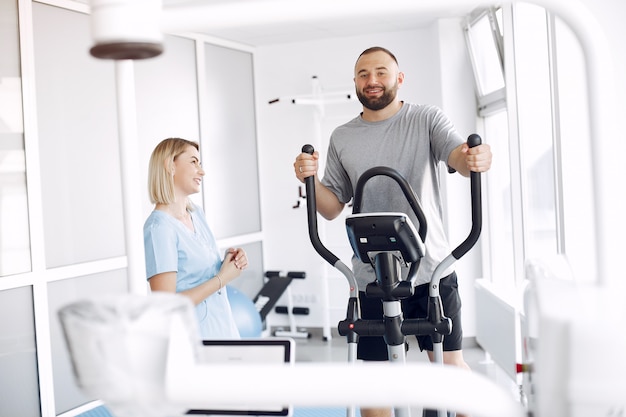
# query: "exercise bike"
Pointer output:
{"type": "Point", "coordinates": [390, 241]}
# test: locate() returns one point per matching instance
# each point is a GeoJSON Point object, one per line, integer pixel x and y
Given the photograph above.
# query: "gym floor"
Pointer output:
{"type": "Point", "coordinates": [316, 349]}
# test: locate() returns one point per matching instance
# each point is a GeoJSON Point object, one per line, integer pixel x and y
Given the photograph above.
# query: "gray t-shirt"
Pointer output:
{"type": "Point", "coordinates": [413, 142]}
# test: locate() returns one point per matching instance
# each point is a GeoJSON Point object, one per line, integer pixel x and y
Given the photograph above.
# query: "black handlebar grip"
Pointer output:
{"type": "Point", "coordinates": [476, 201]}
{"type": "Point", "coordinates": [319, 247]}
{"type": "Point", "coordinates": [472, 140]}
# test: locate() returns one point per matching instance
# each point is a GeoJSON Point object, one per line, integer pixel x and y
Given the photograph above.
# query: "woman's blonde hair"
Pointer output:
{"type": "Point", "coordinates": [160, 173]}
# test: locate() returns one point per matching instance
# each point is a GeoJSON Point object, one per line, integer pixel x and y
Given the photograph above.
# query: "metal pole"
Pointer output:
{"type": "Point", "coordinates": [130, 163]}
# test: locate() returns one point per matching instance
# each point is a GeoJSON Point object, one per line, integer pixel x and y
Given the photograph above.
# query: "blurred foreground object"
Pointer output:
{"type": "Point", "coordinates": [119, 347]}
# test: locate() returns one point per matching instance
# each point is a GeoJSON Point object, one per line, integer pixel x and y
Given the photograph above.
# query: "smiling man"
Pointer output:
{"type": "Point", "coordinates": [414, 140]}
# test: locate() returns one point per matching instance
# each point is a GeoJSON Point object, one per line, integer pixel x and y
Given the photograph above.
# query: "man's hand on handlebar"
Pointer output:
{"type": "Point", "coordinates": [306, 165]}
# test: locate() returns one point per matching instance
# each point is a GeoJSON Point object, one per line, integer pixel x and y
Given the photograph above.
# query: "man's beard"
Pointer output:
{"type": "Point", "coordinates": [378, 103]}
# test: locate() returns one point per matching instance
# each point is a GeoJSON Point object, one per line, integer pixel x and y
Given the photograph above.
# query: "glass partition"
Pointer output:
{"type": "Point", "coordinates": [14, 239]}
{"type": "Point", "coordinates": [19, 383]}
{"type": "Point", "coordinates": [78, 141]}
{"type": "Point", "coordinates": [167, 101]}
{"type": "Point", "coordinates": [229, 150]}
{"type": "Point", "coordinates": [252, 278]}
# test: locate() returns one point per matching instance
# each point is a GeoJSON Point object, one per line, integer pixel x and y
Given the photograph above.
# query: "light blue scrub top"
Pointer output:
{"type": "Point", "coordinates": [194, 256]}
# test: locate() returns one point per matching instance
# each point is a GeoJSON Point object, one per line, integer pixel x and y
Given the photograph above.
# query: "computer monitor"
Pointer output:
{"type": "Point", "coordinates": [266, 351]}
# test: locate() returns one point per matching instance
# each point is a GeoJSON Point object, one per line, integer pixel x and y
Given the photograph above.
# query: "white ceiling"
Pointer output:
{"type": "Point", "coordinates": [266, 22]}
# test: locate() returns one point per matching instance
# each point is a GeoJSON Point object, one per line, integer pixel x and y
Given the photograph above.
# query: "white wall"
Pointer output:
{"type": "Point", "coordinates": [286, 70]}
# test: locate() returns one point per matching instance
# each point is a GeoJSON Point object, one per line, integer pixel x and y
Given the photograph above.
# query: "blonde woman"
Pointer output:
{"type": "Point", "coordinates": [181, 252]}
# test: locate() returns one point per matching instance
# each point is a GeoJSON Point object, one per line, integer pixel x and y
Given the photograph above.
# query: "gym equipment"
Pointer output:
{"type": "Point", "coordinates": [273, 289]}
{"type": "Point", "coordinates": [292, 311]}
{"type": "Point", "coordinates": [388, 241]}
{"type": "Point", "coordinates": [270, 293]}
{"type": "Point", "coordinates": [246, 316]}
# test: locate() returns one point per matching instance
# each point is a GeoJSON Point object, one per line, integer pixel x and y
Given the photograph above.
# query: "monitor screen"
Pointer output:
{"type": "Point", "coordinates": [263, 351]}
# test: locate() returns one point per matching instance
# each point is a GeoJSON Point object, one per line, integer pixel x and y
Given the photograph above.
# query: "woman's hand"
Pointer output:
{"type": "Point", "coordinates": [239, 258]}
{"type": "Point", "coordinates": [235, 261]}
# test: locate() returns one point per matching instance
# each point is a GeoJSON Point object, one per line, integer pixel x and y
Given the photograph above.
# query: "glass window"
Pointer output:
{"type": "Point", "coordinates": [19, 384]}
{"type": "Point", "coordinates": [484, 41]}
{"type": "Point", "coordinates": [14, 239]}
{"type": "Point", "coordinates": [575, 152]}
{"type": "Point", "coordinates": [78, 141]}
{"type": "Point", "coordinates": [535, 130]}
{"type": "Point", "coordinates": [499, 189]}
{"type": "Point", "coordinates": [541, 201]}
